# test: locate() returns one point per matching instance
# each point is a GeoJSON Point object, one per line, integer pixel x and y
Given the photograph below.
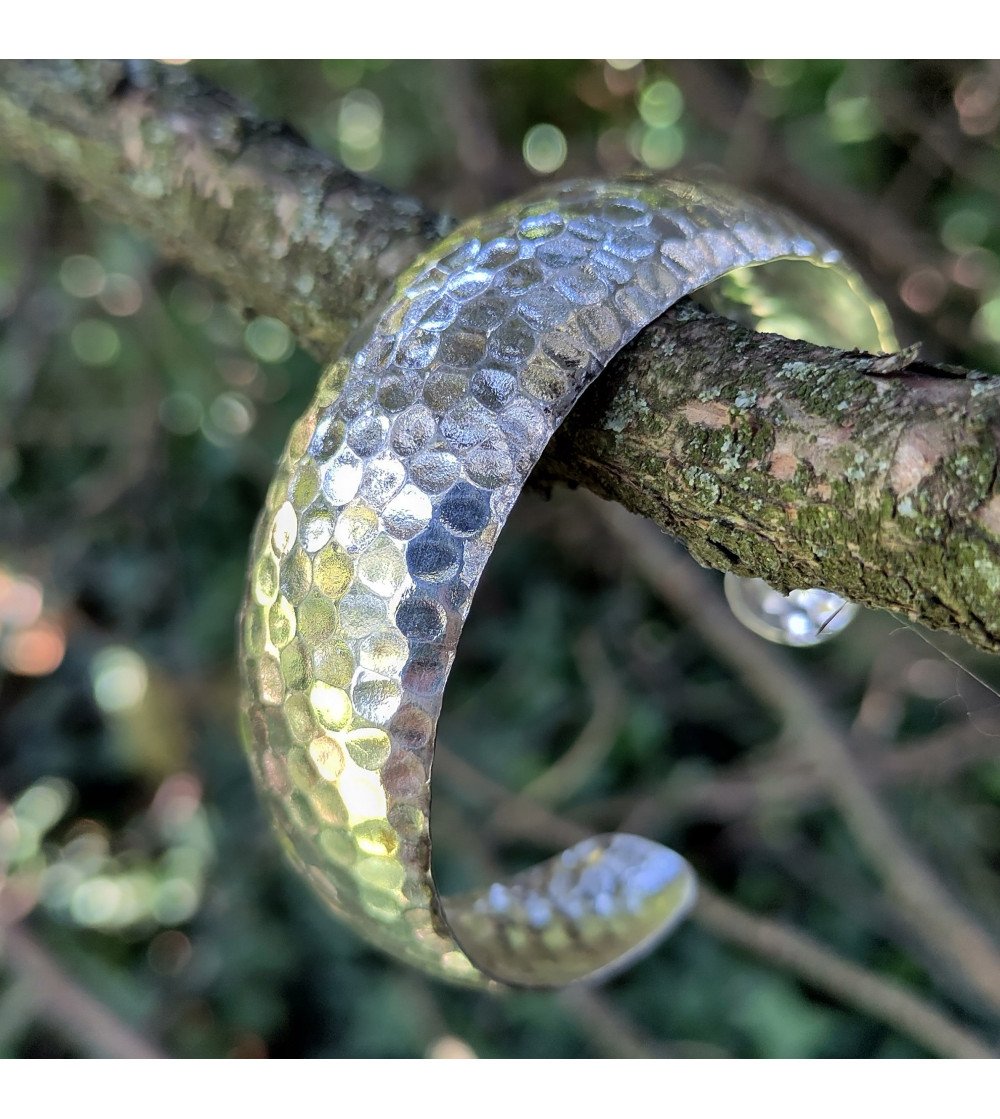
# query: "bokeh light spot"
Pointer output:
{"type": "Point", "coordinates": [191, 302]}
{"type": "Point", "coordinates": [176, 901]}
{"type": "Point", "coordinates": [661, 103]}
{"type": "Point", "coordinates": [544, 148]}
{"type": "Point", "coordinates": [923, 289]}
{"type": "Point", "coordinates": [852, 119]}
{"type": "Point", "coordinates": [122, 295]}
{"type": "Point", "coordinates": [45, 802]}
{"type": "Point", "coordinates": [34, 651]}
{"type": "Point", "coordinates": [95, 901]}
{"type": "Point", "coordinates": [964, 228]}
{"type": "Point", "coordinates": [169, 952]}
{"type": "Point", "coordinates": [95, 342]}
{"type": "Point", "coordinates": [231, 413]}
{"type": "Point", "coordinates": [660, 148]}
{"type": "Point", "coordinates": [120, 679]}
{"type": "Point", "coordinates": [269, 339]}
{"type": "Point", "coordinates": [20, 600]}
{"type": "Point", "coordinates": [359, 130]}
{"type": "Point", "coordinates": [82, 276]}
{"type": "Point", "coordinates": [451, 1048]}
{"type": "Point", "coordinates": [181, 413]}
{"type": "Point", "coordinates": [986, 324]}
{"type": "Point", "coordinates": [781, 72]}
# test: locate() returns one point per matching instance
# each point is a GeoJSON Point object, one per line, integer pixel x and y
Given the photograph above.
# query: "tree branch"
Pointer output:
{"type": "Point", "coordinates": [247, 203]}
{"type": "Point", "coordinates": [875, 478]}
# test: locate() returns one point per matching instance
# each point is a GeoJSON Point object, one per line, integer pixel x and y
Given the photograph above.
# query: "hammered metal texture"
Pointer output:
{"type": "Point", "coordinates": [386, 505]}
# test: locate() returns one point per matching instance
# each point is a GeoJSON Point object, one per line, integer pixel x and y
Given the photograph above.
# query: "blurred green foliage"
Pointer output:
{"type": "Point", "coordinates": [140, 418]}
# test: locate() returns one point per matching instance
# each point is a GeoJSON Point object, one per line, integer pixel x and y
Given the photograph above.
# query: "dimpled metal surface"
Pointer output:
{"type": "Point", "coordinates": [386, 505]}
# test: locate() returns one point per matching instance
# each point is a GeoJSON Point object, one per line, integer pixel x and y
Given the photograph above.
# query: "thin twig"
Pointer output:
{"type": "Point", "coordinates": [571, 770]}
{"type": "Point", "coordinates": [875, 234]}
{"type": "Point", "coordinates": [932, 913]}
{"type": "Point", "coordinates": [795, 952]}
{"type": "Point", "coordinates": [489, 175]}
{"type": "Point", "coordinates": [883, 999]}
{"type": "Point", "coordinates": [616, 1036]}
{"type": "Point", "coordinates": [521, 816]}
{"type": "Point", "coordinates": [793, 784]}
{"type": "Point", "coordinates": [611, 1035]}
{"type": "Point", "coordinates": [84, 1022]}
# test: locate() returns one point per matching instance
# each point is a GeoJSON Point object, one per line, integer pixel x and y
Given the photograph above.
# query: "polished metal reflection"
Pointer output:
{"type": "Point", "coordinates": [386, 506]}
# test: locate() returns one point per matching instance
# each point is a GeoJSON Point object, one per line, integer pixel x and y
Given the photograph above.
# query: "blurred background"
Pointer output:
{"type": "Point", "coordinates": [140, 417]}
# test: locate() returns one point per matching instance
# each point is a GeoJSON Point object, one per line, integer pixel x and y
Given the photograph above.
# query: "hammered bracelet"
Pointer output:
{"type": "Point", "coordinates": [387, 503]}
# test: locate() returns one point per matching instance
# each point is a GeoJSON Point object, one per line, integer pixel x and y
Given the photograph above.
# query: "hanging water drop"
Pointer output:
{"type": "Point", "coordinates": [802, 618]}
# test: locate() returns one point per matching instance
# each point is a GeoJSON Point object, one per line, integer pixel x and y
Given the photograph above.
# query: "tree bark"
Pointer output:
{"type": "Point", "coordinates": [872, 476]}
{"type": "Point", "coordinates": [281, 228]}
{"type": "Point", "coordinates": [875, 476]}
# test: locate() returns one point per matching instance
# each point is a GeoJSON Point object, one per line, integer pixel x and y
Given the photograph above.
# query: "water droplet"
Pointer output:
{"type": "Point", "coordinates": [802, 618]}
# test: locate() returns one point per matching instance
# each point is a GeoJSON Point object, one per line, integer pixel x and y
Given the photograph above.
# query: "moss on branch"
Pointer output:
{"type": "Point", "coordinates": [873, 476]}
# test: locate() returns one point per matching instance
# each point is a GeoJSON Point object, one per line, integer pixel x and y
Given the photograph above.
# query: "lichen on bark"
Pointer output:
{"type": "Point", "coordinates": [803, 465]}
